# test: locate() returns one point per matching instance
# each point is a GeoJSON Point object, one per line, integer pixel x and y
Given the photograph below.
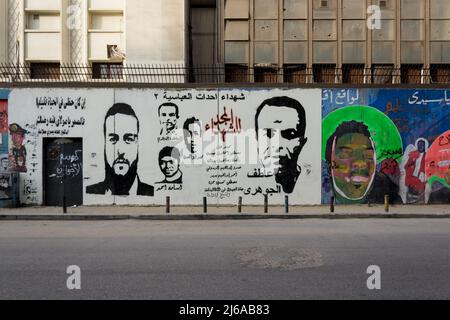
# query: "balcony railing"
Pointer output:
{"type": "Point", "coordinates": [218, 74]}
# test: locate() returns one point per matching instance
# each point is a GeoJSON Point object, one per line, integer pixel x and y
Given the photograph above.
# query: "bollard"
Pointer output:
{"type": "Point", "coordinates": [266, 203]}
{"type": "Point", "coordinates": [286, 204]}
{"type": "Point", "coordinates": [386, 203]}
{"type": "Point", "coordinates": [240, 205]}
{"type": "Point", "coordinates": [205, 205]}
{"type": "Point", "coordinates": [332, 205]}
{"type": "Point", "coordinates": [167, 204]}
{"type": "Point", "coordinates": [64, 204]}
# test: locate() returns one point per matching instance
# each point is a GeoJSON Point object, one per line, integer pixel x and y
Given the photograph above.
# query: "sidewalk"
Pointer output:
{"type": "Point", "coordinates": [224, 212]}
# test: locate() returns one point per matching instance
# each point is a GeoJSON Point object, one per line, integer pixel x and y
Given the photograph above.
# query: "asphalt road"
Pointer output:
{"type": "Point", "coordinates": [274, 259]}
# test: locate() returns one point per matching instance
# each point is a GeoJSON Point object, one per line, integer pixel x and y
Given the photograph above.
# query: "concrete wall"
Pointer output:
{"type": "Point", "coordinates": [3, 31]}
{"type": "Point", "coordinates": [155, 31]}
{"type": "Point", "coordinates": [312, 144]}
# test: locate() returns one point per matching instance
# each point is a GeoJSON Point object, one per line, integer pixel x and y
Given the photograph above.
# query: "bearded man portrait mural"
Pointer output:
{"type": "Point", "coordinates": [356, 141]}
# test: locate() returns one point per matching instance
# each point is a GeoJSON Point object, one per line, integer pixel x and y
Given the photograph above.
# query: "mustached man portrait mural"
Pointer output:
{"type": "Point", "coordinates": [280, 125]}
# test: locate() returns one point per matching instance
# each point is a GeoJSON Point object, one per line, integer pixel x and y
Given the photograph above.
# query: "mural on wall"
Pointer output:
{"type": "Point", "coordinates": [377, 142]}
{"type": "Point", "coordinates": [192, 132]}
{"type": "Point", "coordinates": [121, 153]}
{"type": "Point", "coordinates": [18, 152]}
{"type": "Point", "coordinates": [5, 186]}
{"type": "Point", "coordinates": [169, 163]}
{"type": "Point", "coordinates": [280, 125]}
{"type": "Point", "coordinates": [153, 143]}
{"type": "Point", "coordinates": [437, 169]}
{"type": "Point", "coordinates": [413, 183]}
{"type": "Point", "coordinates": [4, 137]}
{"type": "Point", "coordinates": [168, 117]}
{"type": "Point", "coordinates": [356, 140]}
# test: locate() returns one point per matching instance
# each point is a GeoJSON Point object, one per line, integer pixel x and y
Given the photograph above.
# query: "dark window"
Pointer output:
{"type": "Point", "coordinates": [45, 70]}
{"type": "Point", "coordinates": [295, 74]}
{"type": "Point", "coordinates": [107, 70]}
{"type": "Point", "coordinates": [236, 73]}
{"type": "Point", "coordinates": [382, 73]}
{"type": "Point", "coordinates": [324, 73]}
{"type": "Point", "coordinates": [411, 73]}
{"type": "Point", "coordinates": [353, 73]}
{"type": "Point", "coordinates": [440, 73]}
{"type": "Point", "coordinates": [266, 75]}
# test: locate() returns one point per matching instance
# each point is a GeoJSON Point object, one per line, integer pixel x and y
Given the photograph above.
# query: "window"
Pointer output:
{"type": "Point", "coordinates": [324, 73]}
{"type": "Point", "coordinates": [411, 73]}
{"type": "Point", "coordinates": [440, 73]}
{"type": "Point", "coordinates": [295, 73]}
{"type": "Point", "coordinates": [382, 74]}
{"type": "Point", "coordinates": [353, 73]}
{"type": "Point", "coordinates": [45, 70]}
{"type": "Point", "coordinates": [266, 74]}
{"type": "Point", "coordinates": [107, 71]}
{"type": "Point", "coordinates": [236, 73]}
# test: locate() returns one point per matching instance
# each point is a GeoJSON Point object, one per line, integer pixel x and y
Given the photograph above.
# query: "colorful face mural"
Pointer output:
{"type": "Point", "coordinates": [402, 126]}
{"type": "Point", "coordinates": [353, 160]}
{"type": "Point", "coordinates": [355, 140]}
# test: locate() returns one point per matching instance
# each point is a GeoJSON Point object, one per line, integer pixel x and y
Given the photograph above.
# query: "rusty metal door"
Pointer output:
{"type": "Point", "coordinates": [63, 172]}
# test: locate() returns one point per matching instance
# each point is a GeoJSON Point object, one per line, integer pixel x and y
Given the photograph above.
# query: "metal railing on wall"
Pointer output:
{"type": "Point", "coordinates": [354, 74]}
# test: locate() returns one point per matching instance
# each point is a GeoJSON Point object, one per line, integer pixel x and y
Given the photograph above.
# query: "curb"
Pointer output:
{"type": "Point", "coordinates": [175, 217]}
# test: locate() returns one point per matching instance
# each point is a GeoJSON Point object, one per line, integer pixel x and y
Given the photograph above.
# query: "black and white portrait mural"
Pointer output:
{"type": "Point", "coordinates": [169, 163]}
{"type": "Point", "coordinates": [192, 131]}
{"type": "Point", "coordinates": [142, 145]}
{"type": "Point", "coordinates": [168, 117]}
{"type": "Point", "coordinates": [280, 124]}
{"type": "Point", "coordinates": [121, 132]}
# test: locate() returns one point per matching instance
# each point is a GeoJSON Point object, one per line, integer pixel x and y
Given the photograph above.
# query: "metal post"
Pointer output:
{"type": "Point", "coordinates": [205, 205]}
{"type": "Point", "coordinates": [240, 205]}
{"type": "Point", "coordinates": [167, 204]}
{"type": "Point", "coordinates": [286, 204]}
{"type": "Point", "coordinates": [64, 187]}
{"type": "Point", "coordinates": [386, 203]}
{"type": "Point", "coordinates": [266, 203]}
{"type": "Point", "coordinates": [332, 205]}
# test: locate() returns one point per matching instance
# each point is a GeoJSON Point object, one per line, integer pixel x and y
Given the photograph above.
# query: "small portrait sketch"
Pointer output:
{"type": "Point", "coordinates": [169, 163]}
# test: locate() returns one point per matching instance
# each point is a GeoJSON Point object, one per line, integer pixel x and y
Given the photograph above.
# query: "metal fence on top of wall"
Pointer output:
{"type": "Point", "coordinates": [385, 75]}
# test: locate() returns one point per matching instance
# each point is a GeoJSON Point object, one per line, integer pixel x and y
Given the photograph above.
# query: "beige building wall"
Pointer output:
{"type": "Point", "coordinates": [156, 31]}
{"type": "Point", "coordinates": [3, 31]}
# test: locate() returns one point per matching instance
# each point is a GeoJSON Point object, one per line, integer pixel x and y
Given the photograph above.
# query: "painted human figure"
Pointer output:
{"type": "Point", "coordinates": [352, 164]}
{"type": "Point", "coordinates": [169, 163]}
{"type": "Point", "coordinates": [192, 130]}
{"type": "Point", "coordinates": [121, 132]}
{"type": "Point", "coordinates": [18, 152]}
{"type": "Point", "coordinates": [280, 124]}
{"type": "Point", "coordinates": [168, 116]}
{"type": "Point", "coordinates": [413, 168]}
{"type": "Point", "coordinates": [4, 164]}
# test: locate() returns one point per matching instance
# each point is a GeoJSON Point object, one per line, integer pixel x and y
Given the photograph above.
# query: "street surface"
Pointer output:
{"type": "Point", "coordinates": [271, 259]}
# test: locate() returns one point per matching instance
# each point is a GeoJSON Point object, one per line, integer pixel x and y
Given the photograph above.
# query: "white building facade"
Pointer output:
{"type": "Point", "coordinates": [93, 31]}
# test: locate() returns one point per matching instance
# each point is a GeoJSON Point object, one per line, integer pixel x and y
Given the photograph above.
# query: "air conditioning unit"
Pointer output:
{"type": "Point", "coordinates": [114, 52]}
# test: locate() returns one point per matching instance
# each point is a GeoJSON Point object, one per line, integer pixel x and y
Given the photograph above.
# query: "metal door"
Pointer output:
{"type": "Point", "coordinates": [63, 172]}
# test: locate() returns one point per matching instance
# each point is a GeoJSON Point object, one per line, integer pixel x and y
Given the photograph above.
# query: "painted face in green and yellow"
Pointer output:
{"type": "Point", "coordinates": [354, 165]}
